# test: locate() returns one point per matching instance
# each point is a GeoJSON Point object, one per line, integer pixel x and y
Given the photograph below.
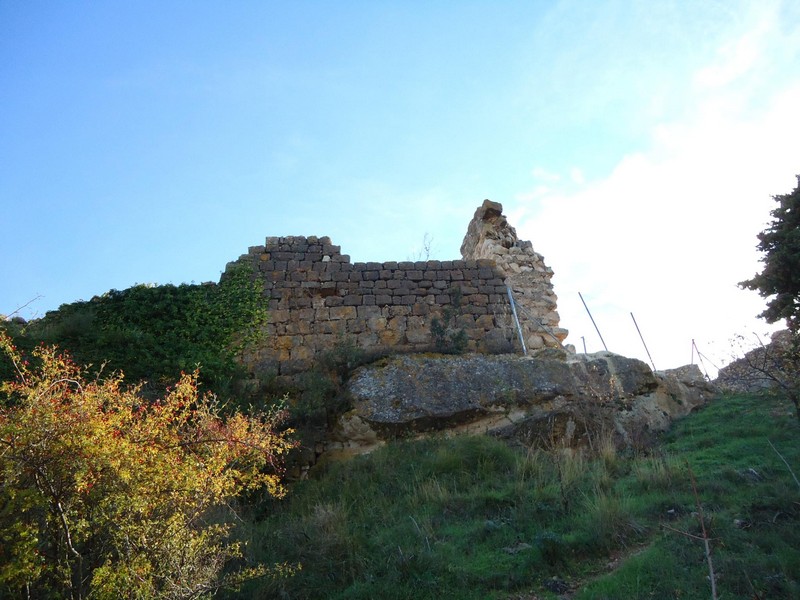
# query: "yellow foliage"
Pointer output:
{"type": "Point", "coordinates": [105, 493]}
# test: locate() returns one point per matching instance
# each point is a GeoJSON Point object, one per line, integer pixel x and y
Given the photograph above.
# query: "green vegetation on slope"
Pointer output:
{"type": "Point", "coordinates": [471, 517]}
{"type": "Point", "coordinates": [154, 333]}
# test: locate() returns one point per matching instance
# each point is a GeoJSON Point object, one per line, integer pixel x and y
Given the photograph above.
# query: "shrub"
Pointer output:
{"type": "Point", "coordinates": [107, 495]}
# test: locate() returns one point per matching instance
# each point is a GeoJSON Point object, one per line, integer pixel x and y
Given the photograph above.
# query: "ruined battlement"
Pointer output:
{"type": "Point", "coordinates": [318, 298]}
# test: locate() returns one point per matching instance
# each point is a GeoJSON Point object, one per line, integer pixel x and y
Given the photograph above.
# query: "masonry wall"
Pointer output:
{"type": "Point", "coordinates": [318, 298]}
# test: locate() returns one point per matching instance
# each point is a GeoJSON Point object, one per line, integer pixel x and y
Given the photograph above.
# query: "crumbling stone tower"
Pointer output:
{"type": "Point", "coordinates": [489, 236]}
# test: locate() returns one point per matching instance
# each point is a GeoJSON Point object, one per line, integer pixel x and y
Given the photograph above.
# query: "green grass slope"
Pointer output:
{"type": "Point", "coordinates": [471, 517]}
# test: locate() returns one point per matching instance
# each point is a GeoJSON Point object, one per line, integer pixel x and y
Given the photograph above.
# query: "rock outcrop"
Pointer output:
{"type": "Point", "coordinates": [762, 369]}
{"type": "Point", "coordinates": [489, 236]}
{"type": "Point", "coordinates": [546, 400]}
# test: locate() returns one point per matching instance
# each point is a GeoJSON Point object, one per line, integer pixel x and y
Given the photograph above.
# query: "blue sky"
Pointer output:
{"type": "Point", "coordinates": [636, 144]}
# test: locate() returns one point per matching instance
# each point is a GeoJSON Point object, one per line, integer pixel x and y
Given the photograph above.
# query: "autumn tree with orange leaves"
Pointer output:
{"type": "Point", "coordinates": [106, 495]}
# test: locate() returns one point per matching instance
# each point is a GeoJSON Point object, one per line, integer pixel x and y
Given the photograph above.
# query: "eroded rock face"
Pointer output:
{"type": "Point", "coordinates": [757, 370]}
{"type": "Point", "coordinates": [546, 400]}
{"type": "Point", "coordinates": [489, 236]}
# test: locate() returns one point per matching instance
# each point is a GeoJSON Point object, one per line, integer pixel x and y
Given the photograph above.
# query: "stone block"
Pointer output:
{"type": "Point", "coordinates": [466, 321]}
{"type": "Point", "coordinates": [421, 309]}
{"type": "Point", "coordinates": [418, 335]}
{"type": "Point", "coordinates": [299, 328]}
{"type": "Point", "coordinates": [278, 316]}
{"type": "Point", "coordinates": [365, 312]}
{"type": "Point", "coordinates": [479, 299]}
{"type": "Point", "coordinates": [389, 337]}
{"type": "Point", "coordinates": [333, 301]}
{"type": "Point", "coordinates": [300, 303]}
{"type": "Point", "coordinates": [304, 314]}
{"type": "Point", "coordinates": [330, 327]}
{"type": "Point", "coordinates": [383, 299]}
{"type": "Point", "coordinates": [343, 312]}
{"type": "Point", "coordinates": [485, 322]}
{"type": "Point", "coordinates": [356, 326]}
{"type": "Point", "coordinates": [376, 324]}
{"type": "Point", "coordinates": [367, 339]}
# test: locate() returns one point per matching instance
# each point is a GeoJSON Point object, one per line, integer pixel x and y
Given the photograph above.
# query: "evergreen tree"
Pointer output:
{"type": "Point", "coordinates": [780, 277]}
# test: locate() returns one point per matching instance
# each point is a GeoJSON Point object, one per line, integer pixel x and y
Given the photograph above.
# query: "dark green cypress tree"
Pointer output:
{"type": "Point", "coordinates": [779, 280]}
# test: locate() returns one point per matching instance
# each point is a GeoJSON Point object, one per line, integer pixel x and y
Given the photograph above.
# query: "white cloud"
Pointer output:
{"type": "Point", "coordinates": [542, 174]}
{"type": "Point", "coordinates": [672, 229]}
{"type": "Point", "coordinates": [576, 176]}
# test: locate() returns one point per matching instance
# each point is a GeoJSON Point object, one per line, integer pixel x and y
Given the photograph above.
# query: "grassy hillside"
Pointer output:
{"type": "Point", "coordinates": [474, 518]}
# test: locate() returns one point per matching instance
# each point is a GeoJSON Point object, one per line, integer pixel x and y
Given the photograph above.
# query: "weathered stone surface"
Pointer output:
{"type": "Point", "coordinates": [530, 398]}
{"type": "Point", "coordinates": [491, 240]}
{"type": "Point", "coordinates": [759, 368]}
{"type": "Point", "coordinates": [315, 295]}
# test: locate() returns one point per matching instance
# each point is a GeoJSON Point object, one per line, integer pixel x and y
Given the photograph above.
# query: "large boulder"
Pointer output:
{"type": "Point", "coordinates": [551, 399]}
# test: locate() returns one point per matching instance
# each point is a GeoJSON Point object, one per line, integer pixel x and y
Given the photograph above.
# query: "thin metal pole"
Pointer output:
{"type": "Point", "coordinates": [691, 363]}
{"type": "Point", "coordinates": [583, 339]}
{"type": "Point", "coordinates": [516, 320]}
{"type": "Point", "coordinates": [643, 344]}
{"type": "Point", "coordinates": [593, 323]}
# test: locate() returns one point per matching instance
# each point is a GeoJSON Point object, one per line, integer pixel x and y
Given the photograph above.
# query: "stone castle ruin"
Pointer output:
{"type": "Point", "coordinates": [318, 298]}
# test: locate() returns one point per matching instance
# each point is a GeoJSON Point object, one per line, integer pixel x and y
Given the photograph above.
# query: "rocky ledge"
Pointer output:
{"type": "Point", "coordinates": [552, 399]}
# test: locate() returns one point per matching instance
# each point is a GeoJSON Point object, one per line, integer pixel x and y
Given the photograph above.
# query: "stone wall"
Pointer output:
{"type": "Point", "coordinates": [490, 236]}
{"type": "Point", "coordinates": [318, 299]}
